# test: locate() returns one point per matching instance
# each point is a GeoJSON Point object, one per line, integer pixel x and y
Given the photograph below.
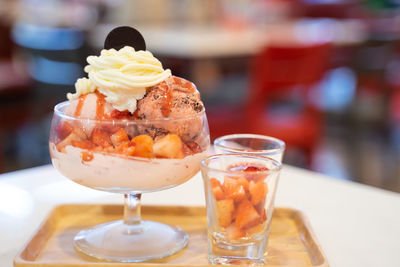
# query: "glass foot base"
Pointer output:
{"type": "Point", "coordinates": [227, 260]}
{"type": "Point", "coordinates": [118, 242]}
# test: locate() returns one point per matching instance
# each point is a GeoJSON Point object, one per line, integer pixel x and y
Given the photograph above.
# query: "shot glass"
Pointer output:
{"type": "Point", "coordinates": [250, 144]}
{"type": "Point", "coordinates": [240, 193]}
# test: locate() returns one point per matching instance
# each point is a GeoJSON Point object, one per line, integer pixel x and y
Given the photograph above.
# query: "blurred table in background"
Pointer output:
{"type": "Point", "coordinates": [206, 42]}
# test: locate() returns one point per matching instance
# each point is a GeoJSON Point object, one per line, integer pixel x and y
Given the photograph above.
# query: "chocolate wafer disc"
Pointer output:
{"type": "Point", "coordinates": [125, 36]}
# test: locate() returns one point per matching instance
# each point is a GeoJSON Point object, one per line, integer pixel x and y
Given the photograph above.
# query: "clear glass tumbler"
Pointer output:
{"type": "Point", "coordinates": [250, 144]}
{"type": "Point", "coordinates": [240, 192]}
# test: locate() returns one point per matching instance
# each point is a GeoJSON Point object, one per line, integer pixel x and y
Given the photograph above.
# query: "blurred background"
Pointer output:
{"type": "Point", "coordinates": [323, 75]}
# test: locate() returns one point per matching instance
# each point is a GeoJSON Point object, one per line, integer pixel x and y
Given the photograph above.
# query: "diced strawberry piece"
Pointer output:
{"type": "Point", "coordinates": [258, 191]}
{"type": "Point", "coordinates": [87, 156]}
{"type": "Point", "coordinates": [109, 149]}
{"type": "Point", "coordinates": [242, 181]}
{"type": "Point", "coordinates": [67, 141]}
{"type": "Point", "coordinates": [190, 148]}
{"type": "Point", "coordinates": [214, 182]}
{"type": "Point", "coordinates": [248, 167]}
{"type": "Point", "coordinates": [246, 215]}
{"type": "Point", "coordinates": [143, 146]}
{"type": "Point", "coordinates": [216, 189]}
{"type": "Point", "coordinates": [218, 193]}
{"type": "Point", "coordinates": [100, 138]}
{"type": "Point", "coordinates": [234, 232]}
{"type": "Point", "coordinates": [233, 189]}
{"type": "Point", "coordinates": [186, 150]}
{"type": "Point", "coordinates": [85, 144]}
{"type": "Point", "coordinates": [240, 194]}
{"type": "Point", "coordinates": [263, 215]}
{"type": "Point", "coordinates": [169, 146]}
{"type": "Point", "coordinates": [119, 137]}
{"type": "Point", "coordinates": [64, 129]}
{"type": "Point", "coordinates": [110, 128]}
{"type": "Point", "coordinates": [260, 207]}
{"type": "Point", "coordinates": [254, 230]}
{"type": "Point", "coordinates": [126, 148]}
{"type": "Point", "coordinates": [120, 115]}
{"type": "Point", "coordinates": [252, 171]}
{"type": "Point", "coordinates": [224, 211]}
{"type": "Point", "coordinates": [80, 132]}
{"type": "Point", "coordinates": [253, 168]}
{"type": "Point", "coordinates": [194, 147]}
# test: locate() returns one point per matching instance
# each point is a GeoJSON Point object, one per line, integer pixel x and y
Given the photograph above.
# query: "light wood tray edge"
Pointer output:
{"type": "Point", "coordinates": [36, 236]}
{"type": "Point", "coordinates": [19, 261]}
{"type": "Point", "coordinates": [307, 225]}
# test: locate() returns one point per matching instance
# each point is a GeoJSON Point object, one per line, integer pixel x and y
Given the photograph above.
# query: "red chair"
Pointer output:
{"type": "Point", "coordinates": [224, 120]}
{"type": "Point", "coordinates": [285, 75]}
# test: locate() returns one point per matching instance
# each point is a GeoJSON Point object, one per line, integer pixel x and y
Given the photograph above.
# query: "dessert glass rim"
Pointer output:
{"type": "Point", "coordinates": [217, 142]}
{"type": "Point", "coordinates": [58, 109]}
{"type": "Point", "coordinates": [277, 164]}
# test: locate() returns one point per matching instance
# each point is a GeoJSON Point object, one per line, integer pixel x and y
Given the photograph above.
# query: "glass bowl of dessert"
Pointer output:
{"type": "Point", "coordinates": [130, 128]}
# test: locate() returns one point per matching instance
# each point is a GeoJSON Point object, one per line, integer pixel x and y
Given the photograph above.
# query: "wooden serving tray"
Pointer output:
{"type": "Point", "coordinates": [291, 243]}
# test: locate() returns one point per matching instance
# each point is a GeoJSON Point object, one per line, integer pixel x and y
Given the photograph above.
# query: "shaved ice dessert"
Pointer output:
{"type": "Point", "coordinates": [131, 126]}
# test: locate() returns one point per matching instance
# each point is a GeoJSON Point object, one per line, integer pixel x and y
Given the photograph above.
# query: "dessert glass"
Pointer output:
{"type": "Point", "coordinates": [240, 192]}
{"type": "Point", "coordinates": [254, 144]}
{"type": "Point", "coordinates": [130, 239]}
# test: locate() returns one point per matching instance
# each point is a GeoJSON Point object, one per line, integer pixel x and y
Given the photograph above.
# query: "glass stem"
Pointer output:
{"type": "Point", "coordinates": [132, 209]}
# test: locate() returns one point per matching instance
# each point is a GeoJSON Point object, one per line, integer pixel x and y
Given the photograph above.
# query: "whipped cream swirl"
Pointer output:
{"type": "Point", "coordinates": [82, 86]}
{"type": "Point", "coordinates": [122, 76]}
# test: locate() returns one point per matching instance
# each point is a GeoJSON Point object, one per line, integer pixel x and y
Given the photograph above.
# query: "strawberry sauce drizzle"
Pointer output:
{"type": "Point", "coordinates": [166, 103]}
{"type": "Point", "coordinates": [79, 107]}
{"type": "Point", "coordinates": [183, 85]}
{"type": "Point", "coordinates": [100, 103]}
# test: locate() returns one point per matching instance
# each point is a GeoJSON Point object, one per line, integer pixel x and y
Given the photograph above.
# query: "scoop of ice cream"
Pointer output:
{"type": "Point", "coordinates": [93, 107]}
{"type": "Point", "coordinates": [89, 106]}
{"type": "Point", "coordinates": [173, 98]}
{"type": "Point", "coordinates": [122, 76]}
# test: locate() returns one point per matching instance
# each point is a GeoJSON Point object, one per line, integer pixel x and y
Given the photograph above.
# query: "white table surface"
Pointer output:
{"type": "Point", "coordinates": [356, 225]}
